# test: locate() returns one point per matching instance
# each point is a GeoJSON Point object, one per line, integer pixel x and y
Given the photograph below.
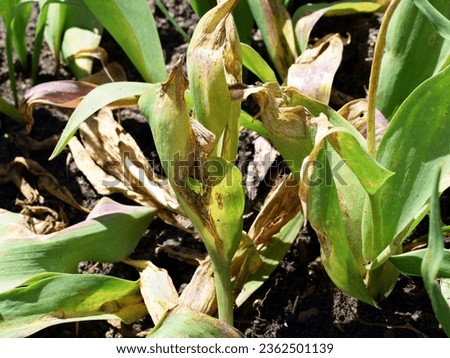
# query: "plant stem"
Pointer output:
{"type": "Point", "coordinates": [375, 75]}
{"type": "Point", "coordinates": [224, 293]}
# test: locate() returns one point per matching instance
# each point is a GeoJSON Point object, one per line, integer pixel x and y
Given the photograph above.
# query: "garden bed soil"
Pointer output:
{"type": "Point", "coordinates": [298, 300]}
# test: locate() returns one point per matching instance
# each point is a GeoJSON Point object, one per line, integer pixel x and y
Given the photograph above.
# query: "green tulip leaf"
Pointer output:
{"type": "Point", "coordinates": [432, 261]}
{"type": "Point", "coordinates": [414, 146]}
{"type": "Point", "coordinates": [98, 98]}
{"type": "Point", "coordinates": [48, 299]}
{"type": "Point", "coordinates": [133, 27]}
{"type": "Point", "coordinates": [109, 234]}
{"type": "Point", "coordinates": [414, 52]}
{"type": "Point", "coordinates": [410, 263]}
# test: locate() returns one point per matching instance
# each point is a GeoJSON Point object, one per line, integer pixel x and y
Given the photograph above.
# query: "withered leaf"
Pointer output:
{"type": "Point", "coordinates": [313, 72]}
{"type": "Point", "coordinates": [16, 171]}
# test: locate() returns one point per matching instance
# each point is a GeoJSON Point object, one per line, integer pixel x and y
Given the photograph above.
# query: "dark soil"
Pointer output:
{"type": "Point", "coordinates": [298, 300]}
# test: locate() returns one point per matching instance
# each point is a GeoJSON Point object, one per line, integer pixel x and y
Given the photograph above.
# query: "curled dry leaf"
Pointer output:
{"type": "Point", "coordinates": [157, 289]}
{"type": "Point", "coordinates": [313, 71]}
{"type": "Point", "coordinates": [43, 220]}
{"type": "Point", "coordinates": [113, 163]}
{"type": "Point", "coordinates": [281, 205]}
{"type": "Point", "coordinates": [20, 168]}
{"type": "Point", "coordinates": [213, 63]}
{"type": "Point", "coordinates": [68, 94]}
{"type": "Point", "coordinates": [200, 292]}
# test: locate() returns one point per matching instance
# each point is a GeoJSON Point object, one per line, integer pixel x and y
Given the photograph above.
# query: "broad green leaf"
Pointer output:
{"type": "Point", "coordinates": [183, 322]}
{"type": "Point", "coordinates": [432, 260]}
{"type": "Point", "coordinates": [52, 298]}
{"type": "Point", "coordinates": [99, 97]}
{"type": "Point", "coordinates": [7, 9]}
{"type": "Point", "coordinates": [165, 109]}
{"type": "Point", "coordinates": [133, 27]}
{"type": "Point", "coordinates": [109, 234]}
{"type": "Point", "coordinates": [244, 22]}
{"type": "Point", "coordinates": [410, 263]}
{"type": "Point", "coordinates": [307, 16]}
{"type": "Point", "coordinates": [439, 21]}
{"type": "Point", "coordinates": [213, 63]}
{"type": "Point", "coordinates": [414, 52]}
{"type": "Point", "coordinates": [414, 146]}
{"type": "Point", "coordinates": [255, 63]}
{"type": "Point", "coordinates": [11, 111]}
{"type": "Point", "coordinates": [328, 220]}
{"type": "Point", "coordinates": [277, 31]}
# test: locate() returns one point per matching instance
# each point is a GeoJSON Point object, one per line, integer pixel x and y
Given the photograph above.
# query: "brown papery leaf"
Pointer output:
{"type": "Point", "coordinates": [113, 163]}
{"type": "Point", "coordinates": [157, 289]}
{"type": "Point", "coordinates": [265, 155]}
{"type": "Point", "coordinates": [281, 205]}
{"type": "Point", "coordinates": [20, 168]}
{"type": "Point", "coordinates": [200, 293]}
{"type": "Point", "coordinates": [313, 72]}
{"type": "Point", "coordinates": [114, 150]}
{"type": "Point", "coordinates": [43, 220]}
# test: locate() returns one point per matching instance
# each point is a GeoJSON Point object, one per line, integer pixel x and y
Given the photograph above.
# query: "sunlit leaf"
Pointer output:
{"type": "Point", "coordinates": [109, 234]}
{"type": "Point", "coordinates": [133, 27]}
{"type": "Point", "coordinates": [439, 21]}
{"type": "Point", "coordinates": [214, 62]}
{"type": "Point", "coordinates": [313, 72]}
{"type": "Point", "coordinates": [157, 289]}
{"type": "Point", "coordinates": [255, 63]}
{"type": "Point", "coordinates": [415, 156]}
{"type": "Point", "coordinates": [329, 222]}
{"type": "Point", "coordinates": [414, 52]}
{"type": "Point", "coordinates": [210, 192]}
{"type": "Point", "coordinates": [184, 322]}
{"type": "Point", "coordinates": [432, 259]}
{"type": "Point", "coordinates": [96, 99]}
{"type": "Point", "coordinates": [52, 298]}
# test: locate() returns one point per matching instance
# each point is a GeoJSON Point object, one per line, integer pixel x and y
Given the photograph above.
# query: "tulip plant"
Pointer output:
{"type": "Point", "coordinates": [361, 175]}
